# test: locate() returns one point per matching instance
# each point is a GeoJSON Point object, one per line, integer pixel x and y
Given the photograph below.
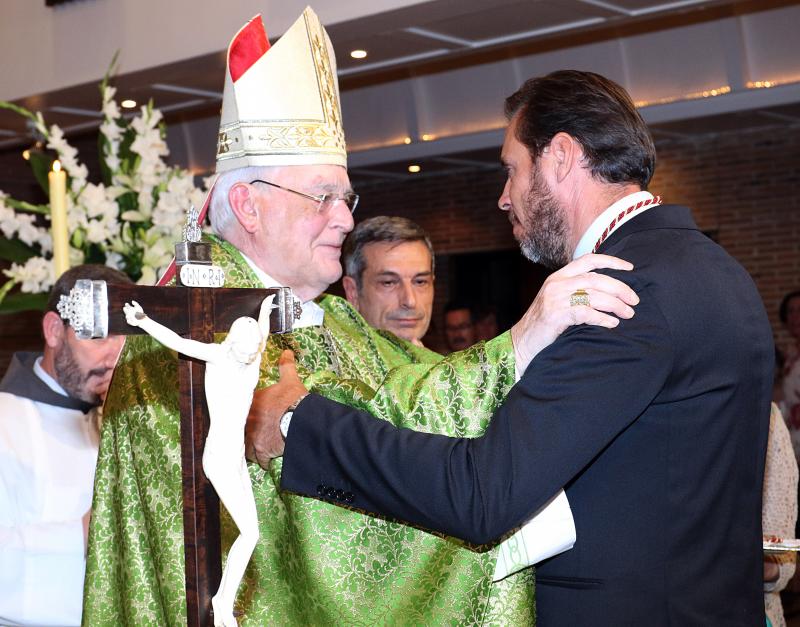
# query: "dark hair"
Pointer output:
{"type": "Point", "coordinates": [594, 110]}
{"type": "Point", "coordinates": [783, 310]}
{"type": "Point", "coordinates": [92, 271]}
{"type": "Point", "coordinates": [379, 229]}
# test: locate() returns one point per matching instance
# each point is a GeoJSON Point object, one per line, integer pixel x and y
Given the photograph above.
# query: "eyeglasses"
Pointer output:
{"type": "Point", "coordinates": [326, 201]}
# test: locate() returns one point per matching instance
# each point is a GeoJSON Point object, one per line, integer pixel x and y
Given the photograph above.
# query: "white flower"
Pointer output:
{"type": "Point", "coordinates": [68, 157]}
{"type": "Point", "coordinates": [67, 154]}
{"type": "Point", "coordinates": [45, 241]}
{"type": "Point", "coordinates": [113, 163]}
{"type": "Point", "coordinates": [8, 221]}
{"type": "Point", "coordinates": [35, 275]}
{"type": "Point", "coordinates": [111, 131]}
{"type": "Point", "coordinates": [76, 257]}
{"type": "Point", "coordinates": [114, 260]}
{"type": "Point", "coordinates": [78, 174]}
{"type": "Point", "coordinates": [97, 231]}
{"type": "Point", "coordinates": [169, 214]}
{"type": "Point", "coordinates": [148, 142]}
{"type": "Point", "coordinates": [145, 199]}
{"type": "Point", "coordinates": [93, 198]}
{"type": "Point", "coordinates": [138, 214]}
{"type": "Point", "coordinates": [27, 231]}
{"type": "Point", "coordinates": [76, 216]}
{"type": "Point", "coordinates": [148, 276]}
{"type": "Point", "coordinates": [110, 108]}
{"type": "Point", "coordinates": [159, 252]}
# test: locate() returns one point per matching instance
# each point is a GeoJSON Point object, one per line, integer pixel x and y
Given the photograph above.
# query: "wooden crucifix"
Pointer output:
{"type": "Point", "coordinates": [196, 313]}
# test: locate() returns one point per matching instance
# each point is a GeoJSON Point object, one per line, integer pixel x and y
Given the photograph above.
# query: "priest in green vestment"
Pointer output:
{"type": "Point", "coordinates": [280, 209]}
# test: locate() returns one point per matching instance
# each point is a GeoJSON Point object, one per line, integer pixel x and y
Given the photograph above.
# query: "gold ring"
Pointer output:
{"type": "Point", "coordinates": [579, 297]}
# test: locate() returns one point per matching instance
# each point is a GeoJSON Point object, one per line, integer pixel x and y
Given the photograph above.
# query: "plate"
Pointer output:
{"type": "Point", "coordinates": [782, 546]}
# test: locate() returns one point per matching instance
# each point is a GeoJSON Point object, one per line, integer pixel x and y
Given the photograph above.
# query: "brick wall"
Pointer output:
{"type": "Point", "coordinates": [741, 185]}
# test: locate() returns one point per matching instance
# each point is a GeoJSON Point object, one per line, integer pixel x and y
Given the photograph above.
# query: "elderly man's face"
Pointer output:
{"type": "Point", "coordinates": [84, 367]}
{"type": "Point", "coordinates": [301, 245]}
{"type": "Point", "coordinates": [396, 288]}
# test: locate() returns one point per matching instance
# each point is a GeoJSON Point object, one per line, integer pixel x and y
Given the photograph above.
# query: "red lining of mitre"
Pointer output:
{"type": "Point", "coordinates": [247, 47]}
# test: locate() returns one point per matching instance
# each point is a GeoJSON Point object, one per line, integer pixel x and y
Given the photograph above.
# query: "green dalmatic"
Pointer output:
{"type": "Point", "coordinates": [315, 563]}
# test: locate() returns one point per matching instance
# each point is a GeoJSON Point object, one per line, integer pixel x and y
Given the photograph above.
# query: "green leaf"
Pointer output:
{"type": "Point", "coordinates": [94, 254]}
{"type": "Point", "coordinates": [77, 239]}
{"type": "Point", "coordinates": [102, 146]}
{"type": "Point", "coordinates": [22, 301]}
{"type": "Point", "coordinates": [41, 163]}
{"type": "Point", "coordinates": [112, 69]}
{"type": "Point", "coordinates": [8, 285]}
{"type": "Point", "coordinates": [25, 113]}
{"type": "Point", "coordinates": [14, 250]}
{"type": "Point", "coordinates": [26, 206]}
{"type": "Point", "coordinates": [129, 201]}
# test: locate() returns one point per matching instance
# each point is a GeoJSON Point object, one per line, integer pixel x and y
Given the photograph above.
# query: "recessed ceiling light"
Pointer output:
{"type": "Point", "coordinates": [426, 137]}
{"type": "Point", "coordinates": [407, 140]}
{"type": "Point", "coordinates": [358, 54]}
{"type": "Point", "coordinates": [414, 168]}
{"type": "Point", "coordinates": [128, 104]}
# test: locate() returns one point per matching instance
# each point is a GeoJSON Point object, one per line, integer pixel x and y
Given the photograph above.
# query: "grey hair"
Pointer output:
{"type": "Point", "coordinates": [379, 229]}
{"type": "Point", "coordinates": [220, 213]}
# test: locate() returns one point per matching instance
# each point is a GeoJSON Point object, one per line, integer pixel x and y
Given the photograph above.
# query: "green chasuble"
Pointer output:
{"type": "Point", "coordinates": [315, 563]}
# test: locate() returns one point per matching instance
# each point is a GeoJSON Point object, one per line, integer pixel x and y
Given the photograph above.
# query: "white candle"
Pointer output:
{"type": "Point", "coordinates": [58, 218]}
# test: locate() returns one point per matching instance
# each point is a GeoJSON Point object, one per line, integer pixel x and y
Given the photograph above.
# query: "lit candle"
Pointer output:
{"type": "Point", "coordinates": [58, 217]}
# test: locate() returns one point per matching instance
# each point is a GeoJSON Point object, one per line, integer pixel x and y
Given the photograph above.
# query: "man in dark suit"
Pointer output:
{"type": "Point", "coordinates": [656, 429]}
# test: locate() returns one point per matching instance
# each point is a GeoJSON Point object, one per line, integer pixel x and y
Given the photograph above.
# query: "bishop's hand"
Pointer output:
{"type": "Point", "coordinates": [134, 314]}
{"type": "Point", "coordinates": [263, 439]}
{"type": "Point", "coordinates": [557, 306]}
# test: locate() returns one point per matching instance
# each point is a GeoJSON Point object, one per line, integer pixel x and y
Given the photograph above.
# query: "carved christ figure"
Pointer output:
{"type": "Point", "coordinates": [232, 369]}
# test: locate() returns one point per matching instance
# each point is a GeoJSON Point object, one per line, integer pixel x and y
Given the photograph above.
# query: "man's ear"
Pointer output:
{"type": "Point", "coordinates": [566, 153]}
{"type": "Point", "coordinates": [350, 290]}
{"type": "Point", "coordinates": [53, 329]}
{"type": "Point", "coordinates": [244, 207]}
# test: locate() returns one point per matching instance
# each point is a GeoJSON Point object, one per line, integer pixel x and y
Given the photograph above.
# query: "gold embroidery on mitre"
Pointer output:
{"type": "Point", "coordinates": [325, 80]}
{"type": "Point", "coordinates": [223, 144]}
{"type": "Point", "coordinates": [267, 138]}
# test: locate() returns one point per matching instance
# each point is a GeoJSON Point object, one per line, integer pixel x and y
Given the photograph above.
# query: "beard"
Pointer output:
{"type": "Point", "coordinates": [544, 227]}
{"type": "Point", "coordinates": [70, 376]}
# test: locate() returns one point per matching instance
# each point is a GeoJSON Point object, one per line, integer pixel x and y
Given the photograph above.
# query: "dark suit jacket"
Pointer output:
{"type": "Point", "coordinates": [657, 430]}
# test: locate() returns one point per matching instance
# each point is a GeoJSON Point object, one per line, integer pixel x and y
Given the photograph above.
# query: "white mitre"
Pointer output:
{"type": "Point", "coordinates": [281, 103]}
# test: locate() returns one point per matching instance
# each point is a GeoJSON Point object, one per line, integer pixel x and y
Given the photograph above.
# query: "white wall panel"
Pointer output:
{"type": "Point", "coordinates": [773, 45]}
{"type": "Point", "coordinates": [676, 62]}
{"type": "Point", "coordinates": [47, 48]}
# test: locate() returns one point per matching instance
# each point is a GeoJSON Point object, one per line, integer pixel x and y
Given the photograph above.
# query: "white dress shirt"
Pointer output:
{"type": "Point", "coordinates": [596, 228]}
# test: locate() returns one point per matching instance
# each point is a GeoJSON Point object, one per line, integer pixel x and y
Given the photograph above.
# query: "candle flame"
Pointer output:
{"type": "Point", "coordinates": [56, 166]}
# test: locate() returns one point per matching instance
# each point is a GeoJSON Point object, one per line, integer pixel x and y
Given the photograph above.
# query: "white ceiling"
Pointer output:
{"type": "Point", "coordinates": [437, 73]}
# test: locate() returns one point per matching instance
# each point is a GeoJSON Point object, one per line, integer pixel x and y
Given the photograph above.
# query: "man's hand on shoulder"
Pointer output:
{"type": "Point", "coordinates": [263, 439]}
{"type": "Point", "coordinates": [554, 309]}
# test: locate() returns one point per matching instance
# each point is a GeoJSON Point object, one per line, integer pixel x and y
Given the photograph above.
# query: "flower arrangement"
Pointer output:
{"type": "Point", "coordinates": [129, 221]}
